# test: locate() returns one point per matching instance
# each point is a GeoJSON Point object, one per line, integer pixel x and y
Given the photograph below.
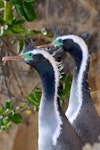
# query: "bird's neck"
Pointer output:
{"type": "Point", "coordinates": [48, 86]}
{"type": "Point", "coordinates": [49, 115]}
{"type": "Point", "coordinates": [80, 82]}
{"type": "Point", "coordinates": [49, 78]}
{"type": "Point", "coordinates": [79, 94]}
{"type": "Point", "coordinates": [48, 103]}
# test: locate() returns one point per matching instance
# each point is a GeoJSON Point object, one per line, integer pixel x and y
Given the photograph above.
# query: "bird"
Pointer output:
{"type": "Point", "coordinates": [81, 111]}
{"type": "Point", "coordinates": [54, 130]}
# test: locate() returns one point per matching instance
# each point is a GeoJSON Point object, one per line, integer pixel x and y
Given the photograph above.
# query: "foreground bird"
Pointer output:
{"type": "Point", "coordinates": [55, 131]}
{"type": "Point", "coordinates": [81, 111]}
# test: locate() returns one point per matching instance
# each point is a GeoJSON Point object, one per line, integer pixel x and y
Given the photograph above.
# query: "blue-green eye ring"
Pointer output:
{"type": "Point", "coordinates": [57, 42]}
{"type": "Point", "coordinates": [28, 55]}
{"type": "Point", "coordinates": [60, 40]}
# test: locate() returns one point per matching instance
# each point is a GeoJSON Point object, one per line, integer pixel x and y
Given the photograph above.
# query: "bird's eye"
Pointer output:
{"type": "Point", "coordinates": [30, 54]}
{"type": "Point", "coordinates": [60, 40]}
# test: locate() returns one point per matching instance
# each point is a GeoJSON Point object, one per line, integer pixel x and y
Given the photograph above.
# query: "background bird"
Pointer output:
{"type": "Point", "coordinates": [81, 111]}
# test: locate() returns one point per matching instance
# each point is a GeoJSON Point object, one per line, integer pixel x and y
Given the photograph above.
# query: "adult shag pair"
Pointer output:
{"type": "Point", "coordinates": [81, 123]}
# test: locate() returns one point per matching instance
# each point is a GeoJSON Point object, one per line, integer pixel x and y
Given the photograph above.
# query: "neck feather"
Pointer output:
{"type": "Point", "coordinates": [80, 81]}
{"type": "Point", "coordinates": [49, 111]}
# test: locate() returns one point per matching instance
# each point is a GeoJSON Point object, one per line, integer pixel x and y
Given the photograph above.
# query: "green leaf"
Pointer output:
{"type": "Point", "coordinates": [1, 110]}
{"type": "Point", "coordinates": [19, 7]}
{"type": "Point", "coordinates": [1, 19]}
{"type": "Point", "coordinates": [7, 0]}
{"type": "Point", "coordinates": [8, 125]}
{"type": "Point", "coordinates": [11, 113]}
{"type": "Point", "coordinates": [8, 15]}
{"type": "Point", "coordinates": [36, 31]}
{"type": "Point", "coordinates": [20, 45]}
{"type": "Point", "coordinates": [17, 29]}
{"type": "Point", "coordinates": [64, 90]}
{"type": "Point", "coordinates": [17, 118]}
{"type": "Point", "coordinates": [1, 4]}
{"type": "Point", "coordinates": [5, 30]}
{"type": "Point", "coordinates": [21, 107]}
{"type": "Point", "coordinates": [29, 12]}
{"type": "Point", "coordinates": [5, 120]}
{"type": "Point", "coordinates": [9, 104]}
{"type": "Point", "coordinates": [30, 1]}
{"type": "Point", "coordinates": [32, 100]}
{"type": "Point", "coordinates": [36, 108]}
{"type": "Point", "coordinates": [18, 21]}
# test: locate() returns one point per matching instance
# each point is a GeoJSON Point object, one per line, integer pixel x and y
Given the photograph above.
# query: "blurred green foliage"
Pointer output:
{"type": "Point", "coordinates": [34, 98]}
{"type": "Point", "coordinates": [13, 15]}
{"type": "Point", "coordinates": [63, 92]}
{"type": "Point", "coordinates": [8, 115]}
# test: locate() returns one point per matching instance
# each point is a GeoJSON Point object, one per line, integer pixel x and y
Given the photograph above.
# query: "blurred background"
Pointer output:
{"type": "Point", "coordinates": [18, 80]}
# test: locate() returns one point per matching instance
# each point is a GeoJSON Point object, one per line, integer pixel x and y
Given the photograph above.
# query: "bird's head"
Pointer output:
{"type": "Point", "coordinates": [40, 59]}
{"type": "Point", "coordinates": [58, 42]}
{"type": "Point", "coordinates": [34, 56]}
{"type": "Point", "coordinates": [65, 41]}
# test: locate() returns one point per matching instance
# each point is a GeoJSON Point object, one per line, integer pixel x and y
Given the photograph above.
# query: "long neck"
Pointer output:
{"type": "Point", "coordinates": [49, 115]}
{"type": "Point", "coordinates": [80, 81]}
{"type": "Point", "coordinates": [49, 79]}
{"type": "Point", "coordinates": [48, 85]}
{"type": "Point", "coordinates": [79, 94]}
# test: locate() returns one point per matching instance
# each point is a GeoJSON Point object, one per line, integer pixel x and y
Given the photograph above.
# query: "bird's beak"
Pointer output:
{"type": "Point", "coordinates": [13, 58]}
{"type": "Point", "coordinates": [20, 57]}
{"type": "Point", "coordinates": [50, 45]}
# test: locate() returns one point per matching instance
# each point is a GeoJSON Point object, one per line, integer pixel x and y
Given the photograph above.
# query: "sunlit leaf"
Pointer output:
{"type": "Point", "coordinates": [32, 100]}
{"type": "Point", "coordinates": [8, 15]}
{"type": "Point", "coordinates": [17, 29]}
{"type": "Point", "coordinates": [4, 30]}
{"type": "Point", "coordinates": [8, 125]}
{"type": "Point", "coordinates": [36, 108]}
{"type": "Point", "coordinates": [5, 120]}
{"type": "Point", "coordinates": [21, 107]}
{"type": "Point", "coordinates": [1, 3]}
{"type": "Point", "coordinates": [1, 110]}
{"type": "Point", "coordinates": [17, 118]}
{"type": "Point", "coordinates": [34, 97]}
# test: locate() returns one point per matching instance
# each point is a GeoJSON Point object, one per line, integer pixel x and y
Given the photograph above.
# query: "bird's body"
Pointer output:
{"type": "Point", "coordinates": [81, 111]}
{"type": "Point", "coordinates": [55, 131]}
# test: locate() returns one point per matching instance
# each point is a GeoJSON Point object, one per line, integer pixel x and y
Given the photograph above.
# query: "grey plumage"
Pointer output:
{"type": "Point", "coordinates": [55, 131]}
